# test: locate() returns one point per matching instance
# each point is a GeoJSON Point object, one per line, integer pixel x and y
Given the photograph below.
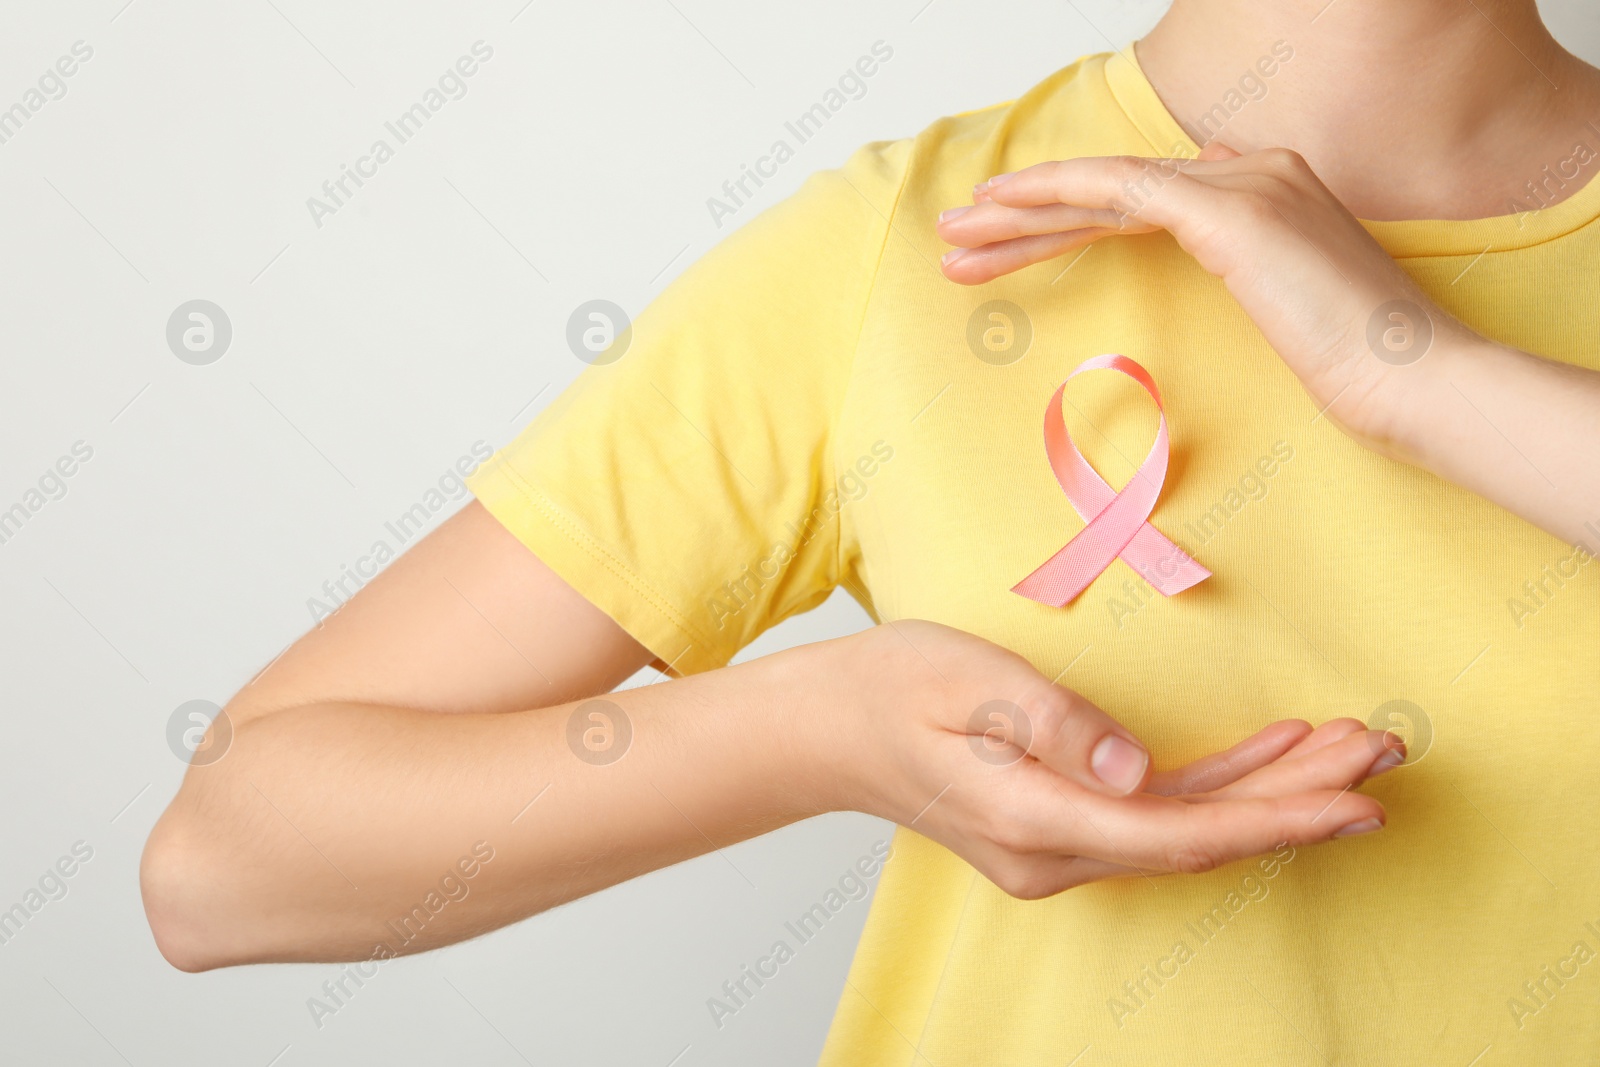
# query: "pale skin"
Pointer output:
{"type": "Point", "coordinates": [428, 713]}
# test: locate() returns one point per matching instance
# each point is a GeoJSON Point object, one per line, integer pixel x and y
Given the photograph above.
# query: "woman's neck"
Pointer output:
{"type": "Point", "coordinates": [1423, 109]}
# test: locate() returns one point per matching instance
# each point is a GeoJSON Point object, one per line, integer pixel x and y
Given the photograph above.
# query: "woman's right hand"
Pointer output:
{"type": "Point", "coordinates": [1041, 791]}
{"type": "Point", "coordinates": [412, 728]}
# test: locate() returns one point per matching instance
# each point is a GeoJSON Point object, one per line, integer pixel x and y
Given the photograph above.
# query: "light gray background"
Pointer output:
{"type": "Point", "coordinates": [367, 356]}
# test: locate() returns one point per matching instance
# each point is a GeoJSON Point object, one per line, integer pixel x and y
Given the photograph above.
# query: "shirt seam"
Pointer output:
{"type": "Point", "coordinates": [855, 355]}
{"type": "Point", "coordinates": [1582, 224]}
{"type": "Point", "coordinates": [1134, 120]}
{"type": "Point", "coordinates": [1142, 128]}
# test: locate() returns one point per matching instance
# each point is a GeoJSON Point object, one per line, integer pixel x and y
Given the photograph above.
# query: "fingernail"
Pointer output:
{"type": "Point", "coordinates": [1386, 762]}
{"type": "Point", "coordinates": [953, 255]}
{"type": "Point", "coordinates": [998, 178]}
{"type": "Point", "coordinates": [954, 213]}
{"type": "Point", "coordinates": [1119, 763]}
{"type": "Point", "coordinates": [1364, 826]}
{"type": "Point", "coordinates": [980, 188]}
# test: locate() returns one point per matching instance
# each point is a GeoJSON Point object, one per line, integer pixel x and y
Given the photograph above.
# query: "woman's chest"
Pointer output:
{"type": "Point", "coordinates": [1341, 581]}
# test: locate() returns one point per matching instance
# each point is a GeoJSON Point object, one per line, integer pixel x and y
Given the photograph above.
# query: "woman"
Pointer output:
{"type": "Point", "coordinates": [1382, 441]}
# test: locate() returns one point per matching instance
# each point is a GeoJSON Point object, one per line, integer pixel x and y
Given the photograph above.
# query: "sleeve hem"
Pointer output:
{"type": "Point", "coordinates": [561, 543]}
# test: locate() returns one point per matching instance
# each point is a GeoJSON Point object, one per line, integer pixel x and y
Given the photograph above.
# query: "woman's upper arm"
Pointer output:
{"type": "Point", "coordinates": [466, 620]}
{"type": "Point", "coordinates": [655, 482]}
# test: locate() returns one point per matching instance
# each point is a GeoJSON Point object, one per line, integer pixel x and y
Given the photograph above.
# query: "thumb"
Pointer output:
{"type": "Point", "coordinates": [1082, 743]}
{"type": "Point", "coordinates": [1216, 150]}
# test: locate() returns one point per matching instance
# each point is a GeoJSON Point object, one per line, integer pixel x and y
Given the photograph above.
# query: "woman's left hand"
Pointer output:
{"type": "Point", "coordinates": [1317, 284]}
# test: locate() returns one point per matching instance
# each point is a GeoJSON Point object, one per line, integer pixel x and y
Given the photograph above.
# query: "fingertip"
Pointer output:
{"type": "Point", "coordinates": [1316, 814]}
{"type": "Point", "coordinates": [1299, 729]}
{"type": "Point", "coordinates": [1351, 810]}
{"type": "Point", "coordinates": [1388, 749]}
{"type": "Point", "coordinates": [1385, 763]}
{"type": "Point", "coordinates": [1381, 742]}
{"type": "Point", "coordinates": [1329, 732]}
{"type": "Point", "coordinates": [1122, 765]}
{"type": "Point", "coordinates": [1369, 823]}
{"type": "Point", "coordinates": [959, 266]}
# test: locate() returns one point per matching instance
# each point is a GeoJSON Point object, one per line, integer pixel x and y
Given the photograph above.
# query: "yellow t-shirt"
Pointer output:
{"type": "Point", "coordinates": [814, 405]}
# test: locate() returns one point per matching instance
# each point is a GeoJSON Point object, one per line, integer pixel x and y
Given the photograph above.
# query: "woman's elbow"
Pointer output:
{"type": "Point", "coordinates": [178, 879]}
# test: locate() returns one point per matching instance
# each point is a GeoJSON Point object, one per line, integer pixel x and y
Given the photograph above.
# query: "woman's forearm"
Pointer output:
{"type": "Point", "coordinates": [1518, 430]}
{"type": "Point", "coordinates": [341, 831]}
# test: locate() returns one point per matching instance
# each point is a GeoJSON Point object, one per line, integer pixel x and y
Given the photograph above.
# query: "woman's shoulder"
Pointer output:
{"type": "Point", "coordinates": [1071, 112]}
{"type": "Point", "coordinates": [1074, 99]}
{"type": "Point", "coordinates": [847, 214]}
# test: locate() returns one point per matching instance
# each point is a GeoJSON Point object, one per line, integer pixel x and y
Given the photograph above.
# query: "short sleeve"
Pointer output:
{"type": "Point", "coordinates": [688, 489]}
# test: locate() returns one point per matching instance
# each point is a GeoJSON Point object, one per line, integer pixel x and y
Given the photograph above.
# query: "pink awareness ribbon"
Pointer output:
{"type": "Point", "coordinates": [1117, 520]}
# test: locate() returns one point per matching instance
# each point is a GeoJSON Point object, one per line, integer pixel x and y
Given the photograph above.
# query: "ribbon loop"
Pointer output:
{"type": "Point", "coordinates": [1117, 521]}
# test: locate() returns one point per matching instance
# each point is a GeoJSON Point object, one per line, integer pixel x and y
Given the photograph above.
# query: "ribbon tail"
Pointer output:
{"type": "Point", "coordinates": [1168, 568]}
